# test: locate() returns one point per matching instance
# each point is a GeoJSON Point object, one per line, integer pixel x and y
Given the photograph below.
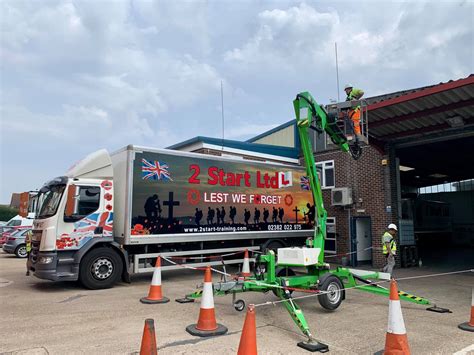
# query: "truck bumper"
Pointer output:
{"type": "Point", "coordinates": [53, 266]}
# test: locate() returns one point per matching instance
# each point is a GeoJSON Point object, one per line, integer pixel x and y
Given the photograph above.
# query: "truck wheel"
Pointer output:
{"type": "Point", "coordinates": [334, 297]}
{"type": "Point", "coordinates": [20, 251]}
{"type": "Point", "coordinates": [272, 245]}
{"type": "Point", "coordinates": [100, 268]}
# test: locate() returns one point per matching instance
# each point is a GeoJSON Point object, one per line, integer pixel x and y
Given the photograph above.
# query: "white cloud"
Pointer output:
{"type": "Point", "coordinates": [83, 75]}
{"type": "Point", "coordinates": [248, 130]}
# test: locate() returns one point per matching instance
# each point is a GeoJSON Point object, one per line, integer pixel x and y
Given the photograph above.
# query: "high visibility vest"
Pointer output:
{"type": "Point", "coordinates": [355, 94]}
{"type": "Point", "coordinates": [28, 241]}
{"type": "Point", "coordinates": [393, 245]}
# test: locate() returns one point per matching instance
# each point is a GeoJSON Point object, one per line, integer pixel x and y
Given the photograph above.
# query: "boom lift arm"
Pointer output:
{"type": "Point", "coordinates": [320, 280]}
{"type": "Point", "coordinates": [310, 115]}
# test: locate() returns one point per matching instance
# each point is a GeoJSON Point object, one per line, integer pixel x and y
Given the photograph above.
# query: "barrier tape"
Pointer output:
{"type": "Point", "coordinates": [196, 268]}
{"type": "Point", "coordinates": [352, 252]}
{"type": "Point", "coordinates": [205, 257]}
{"type": "Point", "coordinates": [273, 303]}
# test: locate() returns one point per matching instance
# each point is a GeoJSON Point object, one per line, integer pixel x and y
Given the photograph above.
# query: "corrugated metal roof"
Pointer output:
{"type": "Point", "coordinates": [423, 110]}
{"type": "Point", "coordinates": [251, 147]}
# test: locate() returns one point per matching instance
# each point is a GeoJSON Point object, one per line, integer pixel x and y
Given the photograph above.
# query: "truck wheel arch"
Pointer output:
{"type": "Point", "coordinates": [105, 242]}
{"type": "Point", "coordinates": [273, 244]}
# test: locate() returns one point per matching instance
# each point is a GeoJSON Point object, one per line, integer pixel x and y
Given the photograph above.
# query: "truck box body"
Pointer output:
{"type": "Point", "coordinates": [112, 214]}
{"type": "Point", "coordinates": [251, 199]}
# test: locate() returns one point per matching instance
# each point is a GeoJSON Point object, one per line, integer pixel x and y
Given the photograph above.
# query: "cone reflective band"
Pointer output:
{"type": "Point", "coordinates": [148, 346]}
{"type": "Point", "coordinates": [155, 294]}
{"type": "Point", "coordinates": [469, 326]}
{"type": "Point", "coordinates": [207, 325]}
{"type": "Point", "coordinates": [207, 316]}
{"type": "Point", "coordinates": [246, 265]}
{"type": "Point", "coordinates": [396, 341]}
{"type": "Point", "coordinates": [248, 339]}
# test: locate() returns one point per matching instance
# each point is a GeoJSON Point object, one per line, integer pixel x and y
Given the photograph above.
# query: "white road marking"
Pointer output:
{"type": "Point", "coordinates": [5, 282]}
{"type": "Point", "coordinates": [466, 351]}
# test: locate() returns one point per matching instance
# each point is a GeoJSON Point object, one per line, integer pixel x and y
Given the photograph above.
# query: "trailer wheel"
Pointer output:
{"type": "Point", "coordinates": [239, 305]}
{"type": "Point", "coordinates": [334, 296]}
{"type": "Point", "coordinates": [100, 268]}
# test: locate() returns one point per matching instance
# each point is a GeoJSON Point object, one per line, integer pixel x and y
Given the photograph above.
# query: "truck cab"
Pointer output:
{"type": "Point", "coordinates": [75, 219]}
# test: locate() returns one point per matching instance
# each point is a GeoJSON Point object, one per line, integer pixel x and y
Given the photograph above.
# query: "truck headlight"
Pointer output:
{"type": "Point", "coordinates": [45, 259]}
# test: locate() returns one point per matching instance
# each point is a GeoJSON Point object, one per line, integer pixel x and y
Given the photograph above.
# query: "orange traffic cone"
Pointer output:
{"type": "Point", "coordinates": [148, 346]}
{"type": "Point", "coordinates": [155, 295]}
{"type": "Point", "coordinates": [207, 325]}
{"type": "Point", "coordinates": [396, 342]}
{"type": "Point", "coordinates": [246, 266]}
{"type": "Point", "coordinates": [248, 339]}
{"type": "Point", "coordinates": [469, 326]}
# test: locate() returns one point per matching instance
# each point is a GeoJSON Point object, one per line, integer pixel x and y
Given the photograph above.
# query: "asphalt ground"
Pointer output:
{"type": "Point", "coordinates": [42, 317]}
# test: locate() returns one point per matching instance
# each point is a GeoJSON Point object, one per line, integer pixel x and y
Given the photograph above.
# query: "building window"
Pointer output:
{"type": "Point", "coordinates": [326, 174]}
{"type": "Point", "coordinates": [330, 242]}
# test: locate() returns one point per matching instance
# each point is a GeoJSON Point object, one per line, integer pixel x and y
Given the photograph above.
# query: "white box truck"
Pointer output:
{"type": "Point", "coordinates": [111, 214]}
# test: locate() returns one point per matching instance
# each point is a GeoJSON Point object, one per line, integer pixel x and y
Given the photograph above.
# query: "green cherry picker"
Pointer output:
{"type": "Point", "coordinates": [274, 274]}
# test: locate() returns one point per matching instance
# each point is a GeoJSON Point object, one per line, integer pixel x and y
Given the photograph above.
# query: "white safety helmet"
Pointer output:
{"type": "Point", "coordinates": [348, 86]}
{"type": "Point", "coordinates": [392, 226]}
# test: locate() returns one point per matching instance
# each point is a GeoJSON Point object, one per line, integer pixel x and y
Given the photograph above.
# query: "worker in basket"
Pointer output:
{"type": "Point", "coordinates": [354, 114]}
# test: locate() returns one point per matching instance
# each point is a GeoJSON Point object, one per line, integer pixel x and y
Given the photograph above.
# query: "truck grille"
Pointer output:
{"type": "Point", "coordinates": [35, 245]}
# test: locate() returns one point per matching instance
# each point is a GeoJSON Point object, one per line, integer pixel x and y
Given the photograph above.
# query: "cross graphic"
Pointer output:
{"type": "Point", "coordinates": [296, 210]}
{"type": "Point", "coordinates": [170, 203]}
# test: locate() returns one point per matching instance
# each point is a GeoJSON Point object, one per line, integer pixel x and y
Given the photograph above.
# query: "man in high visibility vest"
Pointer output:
{"type": "Point", "coordinates": [29, 234]}
{"type": "Point", "coordinates": [389, 247]}
{"type": "Point", "coordinates": [354, 114]}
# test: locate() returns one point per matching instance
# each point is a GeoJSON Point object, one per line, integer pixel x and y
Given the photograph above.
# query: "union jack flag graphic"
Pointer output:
{"type": "Point", "coordinates": [86, 227]}
{"type": "Point", "coordinates": [92, 226]}
{"type": "Point", "coordinates": [304, 181]}
{"type": "Point", "coordinates": [155, 170]}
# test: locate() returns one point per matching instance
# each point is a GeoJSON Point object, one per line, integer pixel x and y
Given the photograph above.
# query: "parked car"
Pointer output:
{"type": "Point", "coordinates": [14, 223]}
{"type": "Point", "coordinates": [16, 244]}
{"type": "Point", "coordinates": [4, 235]}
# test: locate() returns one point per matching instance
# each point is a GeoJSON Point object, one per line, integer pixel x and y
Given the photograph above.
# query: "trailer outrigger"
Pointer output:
{"type": "Point", "coordinates": [276, 275]}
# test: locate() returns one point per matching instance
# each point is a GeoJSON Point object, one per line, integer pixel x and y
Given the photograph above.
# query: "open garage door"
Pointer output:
{"type": "Point", "coordinates": [429, 135]}
{"type": "Point", "coordinates": [437, 202]}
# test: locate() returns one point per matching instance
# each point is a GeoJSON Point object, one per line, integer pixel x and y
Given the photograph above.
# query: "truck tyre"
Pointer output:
{"type": "Point", "coordinates": [272, 245]}
{"type": "Point", "coordinates": [100, 268]}
{"type": "Point", "coordinates": [20, 251]}
{"type": "Point", "coordinates": [335, 295]}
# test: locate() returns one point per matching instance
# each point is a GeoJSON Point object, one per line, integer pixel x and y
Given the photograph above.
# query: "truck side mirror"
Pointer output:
{"type": "Point", "coordinates": [71, 201]}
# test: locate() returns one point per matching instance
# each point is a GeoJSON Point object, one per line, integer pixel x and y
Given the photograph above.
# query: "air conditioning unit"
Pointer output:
{"type": "Point", "coordinates": [341, 196]}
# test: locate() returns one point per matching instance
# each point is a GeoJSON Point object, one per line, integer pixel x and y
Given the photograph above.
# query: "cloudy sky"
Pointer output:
{"type": "Point", "coordinates": [77, 76]}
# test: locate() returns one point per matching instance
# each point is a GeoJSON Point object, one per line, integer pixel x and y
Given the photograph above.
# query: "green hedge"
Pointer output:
{"type": "Point", "coordinates": [7, 213]}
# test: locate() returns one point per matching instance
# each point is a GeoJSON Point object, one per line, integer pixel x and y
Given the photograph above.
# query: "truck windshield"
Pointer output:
{"type": "Point", "coordinates": [48, 200]}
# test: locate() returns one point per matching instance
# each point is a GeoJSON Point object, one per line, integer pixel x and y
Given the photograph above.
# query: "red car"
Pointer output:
{"type": "Point", "coordinates": [4, 236]}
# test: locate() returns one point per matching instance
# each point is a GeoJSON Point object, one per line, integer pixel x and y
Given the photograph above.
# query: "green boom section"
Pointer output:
{"type": "Point", "coordinates": [310, 115]}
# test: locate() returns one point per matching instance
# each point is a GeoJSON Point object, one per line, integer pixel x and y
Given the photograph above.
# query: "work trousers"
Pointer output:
{"type": "Point", "coordinates": [390, 264]}
{"type": "Point", "coordinates": [355, 117]}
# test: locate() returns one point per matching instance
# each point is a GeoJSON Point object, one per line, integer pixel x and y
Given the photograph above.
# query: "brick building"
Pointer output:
{"type": "Point", "coordinates": [417, 138]}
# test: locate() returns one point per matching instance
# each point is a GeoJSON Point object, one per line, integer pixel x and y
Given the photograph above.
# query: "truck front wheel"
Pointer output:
{"type": "Point", "coordinates": [100, 268]}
